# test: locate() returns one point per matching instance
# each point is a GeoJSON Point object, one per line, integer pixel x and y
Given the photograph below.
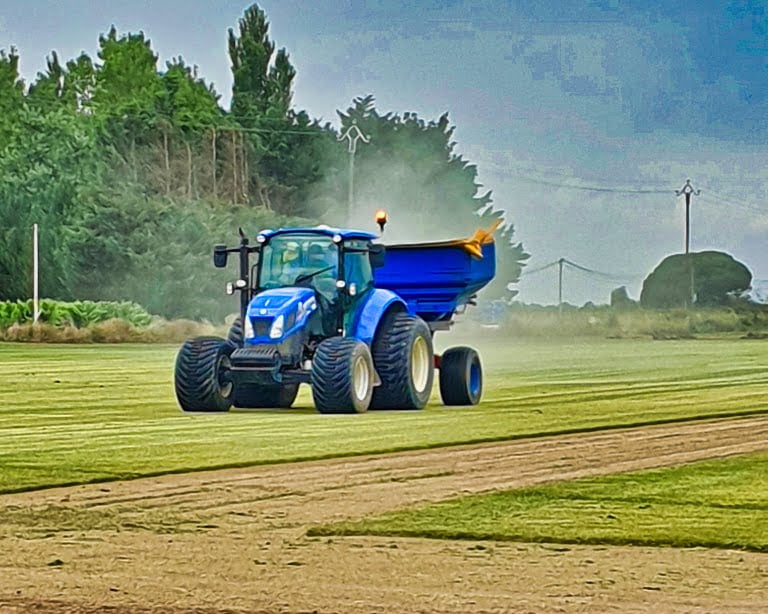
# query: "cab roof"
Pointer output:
{"type": "Point", "coordinates": [323, 230]}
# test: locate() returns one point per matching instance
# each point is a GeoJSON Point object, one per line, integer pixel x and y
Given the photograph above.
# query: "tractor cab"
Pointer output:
{"type": "Point", "coordinates": [334, 264]}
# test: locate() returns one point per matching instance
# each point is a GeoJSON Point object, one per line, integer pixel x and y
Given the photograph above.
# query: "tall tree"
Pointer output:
{"type": "Point", "coordinates": [127, 82]}
{"type": "Point", "coordinates": [11, 91]}
{"type": "Point", "coordinates": [127, 94]}
{"type": "Point", "coordinates": [189, 114]}
{"type": "Point", "coordinates": [80, 83]}
{"type": "Point", "coordinates": [262, 92]}
{"type": "Point", "coordinates": [48, 169]}
{"type": "Point", "coordinates": [48, 89]}
{"type": "Point", "coordinates": [187, 101]}
{"type": "Point", "coordinates": [262, 82]}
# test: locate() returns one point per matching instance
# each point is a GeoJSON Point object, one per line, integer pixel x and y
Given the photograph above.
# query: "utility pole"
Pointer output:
{"type": "Point", "coordinates": [688, 191]}
{"type": "Point", "coordinates": [560, 264]}
{"type": "Point", "coordinates": [353, 134]}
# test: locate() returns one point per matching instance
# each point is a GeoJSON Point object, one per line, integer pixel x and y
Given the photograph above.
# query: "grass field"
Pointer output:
{"type": "Point", "coordinates": [714, 504]}
{"type": "Point", "coordinates": [72, 414]}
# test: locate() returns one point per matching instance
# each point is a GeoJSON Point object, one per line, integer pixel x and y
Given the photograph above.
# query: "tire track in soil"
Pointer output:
{"type": "Point", "coordinates": [256, 520]}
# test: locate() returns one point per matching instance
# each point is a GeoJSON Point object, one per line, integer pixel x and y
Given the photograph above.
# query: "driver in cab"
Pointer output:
{"type": "Point", "coordinates": [291, 265]}
{"type": "Point", "coordinates": [322, 259]}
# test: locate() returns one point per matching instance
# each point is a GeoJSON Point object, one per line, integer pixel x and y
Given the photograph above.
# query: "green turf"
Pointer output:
{"type": "Point", "coordinates": [71, 414]}
{"type": "Point", "coordinates": [715, 504]}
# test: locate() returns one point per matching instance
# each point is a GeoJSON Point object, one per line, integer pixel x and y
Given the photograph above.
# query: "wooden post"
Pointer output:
{"type": "Point", "coordinates": [35, 276]}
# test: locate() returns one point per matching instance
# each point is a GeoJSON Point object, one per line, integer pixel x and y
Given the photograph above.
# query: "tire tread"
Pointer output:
{"type": "Point", "coordinates": [391, 357]}
{"type": "Point", "coordinates": [331, 376]}
{"type": "Point", "coordinates": [195, 375]}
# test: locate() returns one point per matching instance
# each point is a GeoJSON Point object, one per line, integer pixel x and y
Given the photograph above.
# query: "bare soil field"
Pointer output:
{"type": "Point", "coordinates": [236, 540]}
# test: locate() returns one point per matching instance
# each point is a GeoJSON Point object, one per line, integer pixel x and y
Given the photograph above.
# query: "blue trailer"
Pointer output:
{"type": "Point", "coordinates": [351, 317]}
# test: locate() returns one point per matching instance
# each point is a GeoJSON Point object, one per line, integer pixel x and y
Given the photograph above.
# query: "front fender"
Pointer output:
{"type": "Point", "coordinates": [369, 314]}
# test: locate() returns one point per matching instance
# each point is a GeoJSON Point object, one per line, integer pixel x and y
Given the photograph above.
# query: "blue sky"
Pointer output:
{"type": "Point", "coordinates": [612, 94]}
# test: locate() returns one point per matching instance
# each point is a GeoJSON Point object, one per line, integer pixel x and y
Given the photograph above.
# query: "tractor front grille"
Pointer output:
{"type": "Point", "coordinates": [261, 326]}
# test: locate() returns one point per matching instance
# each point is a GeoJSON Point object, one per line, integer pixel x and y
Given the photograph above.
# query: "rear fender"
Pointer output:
{"type": "Point", "coordinates": [370, 313]}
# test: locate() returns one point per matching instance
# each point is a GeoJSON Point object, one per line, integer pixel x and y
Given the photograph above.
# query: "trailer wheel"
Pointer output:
{"type": "Point", "coordinates": [235, 334]}
{"type": "Point", "coordinates": [461, 377]}
{"type": "Point", "coordinates": [342, 376]}
{"type": "Point", "coordinates": [203, 375]}
{"type": "Point", "coordinates": [255, 396]}
{"type": "Point", "coordinates": [404, 359]}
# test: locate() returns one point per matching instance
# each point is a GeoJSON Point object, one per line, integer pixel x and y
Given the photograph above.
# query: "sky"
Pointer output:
{"type": "Point", "coordinates": [548, 99]}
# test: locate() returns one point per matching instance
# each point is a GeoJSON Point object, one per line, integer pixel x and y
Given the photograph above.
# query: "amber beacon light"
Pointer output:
{"type": "Point", "coordinates": [381, 218]}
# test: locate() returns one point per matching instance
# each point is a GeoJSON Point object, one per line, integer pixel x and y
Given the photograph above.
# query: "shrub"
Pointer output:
{"type": "Point", "coordinates": [111, 331]}
{"type": "Point", "coordinates": [716, 277]}
{"type": "Point", "coordinates": [76, 314]}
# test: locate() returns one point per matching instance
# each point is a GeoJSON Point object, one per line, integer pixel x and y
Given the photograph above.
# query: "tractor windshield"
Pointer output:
{"type": "Point", "coordinates": [299, 260]}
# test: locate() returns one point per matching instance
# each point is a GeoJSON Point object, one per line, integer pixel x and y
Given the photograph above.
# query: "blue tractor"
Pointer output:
{"type": "Point", "coordinates": [351, 317]}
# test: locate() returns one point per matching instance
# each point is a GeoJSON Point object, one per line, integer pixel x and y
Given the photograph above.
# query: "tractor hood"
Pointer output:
{"type": "Point", "coordinates": [274, 315]}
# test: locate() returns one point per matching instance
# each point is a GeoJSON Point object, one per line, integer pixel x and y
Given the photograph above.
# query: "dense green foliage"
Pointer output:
{"type": "Point", "coordinates": [122, 397]}
{"type": "Point", "coordinates": [77, 313]}
{"type": "Point", "coordinates": [133, 171]}
{"type": "Point", "coordinates": [717, 278]}
{"type": "Point", "coordinates": [712, 504]}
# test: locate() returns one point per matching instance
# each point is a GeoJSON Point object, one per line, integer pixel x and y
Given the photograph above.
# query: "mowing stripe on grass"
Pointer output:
{"type": "Point", "coordinates": [710, 504]}
{"type": "Point", "coordinates": [71, 414]}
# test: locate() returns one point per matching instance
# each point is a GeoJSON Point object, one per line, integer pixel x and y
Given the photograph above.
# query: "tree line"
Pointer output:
{"type": "Point", "coordinates": [134, 171]}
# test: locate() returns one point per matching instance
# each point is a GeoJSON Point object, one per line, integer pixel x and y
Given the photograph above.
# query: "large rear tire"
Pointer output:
{"type": "Point", "coordinates": [342, 376]}
{"type": "Point", "coordinates": [461, 377]}
{"type": "Point", "coordinates": [203, 375]}
{"type": "Point", "coordinates": [404, 359]}
{"type": "Point", "coordinates": [254, 396]}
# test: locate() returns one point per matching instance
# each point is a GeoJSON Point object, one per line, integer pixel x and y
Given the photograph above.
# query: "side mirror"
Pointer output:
{"type": "Point", "coordinates": [377, 254]}
{"type": "Point", "coordinates": [220, 256]}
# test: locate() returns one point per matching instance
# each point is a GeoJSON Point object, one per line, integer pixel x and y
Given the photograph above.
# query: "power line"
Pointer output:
{"type": "Point", "coordinates": [594, 275]}
{"type": "Point", "coordinates": [594, 272]}
{"type": "Point", "coordinates": [607, 276]}
{"type": "Point", "coordinates": [539, 269]}
{"type": "Point", "coordinates": [588, 188]}
{"type": "Point", "coordinates": [727, 200]}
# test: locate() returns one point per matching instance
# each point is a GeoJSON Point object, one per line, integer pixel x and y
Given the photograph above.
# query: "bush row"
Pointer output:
{"type": "Point", "coordinates": [607, 322]}
{"type": "Point", "coordinates": [111, 331]}
{"type": "Point", "coordinates": [76, 314]}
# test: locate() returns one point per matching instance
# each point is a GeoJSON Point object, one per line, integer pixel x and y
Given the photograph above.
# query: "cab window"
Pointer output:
{"type": "Point", "coordinates": [287, 259]}
{"type": "Point", "coordinates": [357, 265]}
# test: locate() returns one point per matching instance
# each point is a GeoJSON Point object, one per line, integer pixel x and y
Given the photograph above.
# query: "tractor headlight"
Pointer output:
{"type": "Point", "coordinates": [248, 329]}
{"type": "Point", "coordinates": [276, 330]}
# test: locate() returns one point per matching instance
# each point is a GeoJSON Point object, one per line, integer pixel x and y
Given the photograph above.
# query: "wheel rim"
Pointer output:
{"type": "Point", "coordinates": [474, 379]}
{"type": "Point", "coordinates": [420, 364]}
{"type": "Point", "coordinates": [361, 378]}
{"type": "Point", "coordinates": [224, 376]}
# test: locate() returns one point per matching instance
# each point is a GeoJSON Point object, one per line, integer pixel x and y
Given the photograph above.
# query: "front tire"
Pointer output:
{"type": "Point", "coordinates": [235, 334]}
{"type": "Point", "coordinates": [342, 376]}
{"type": "Point", "coordinates": [203, 375]}
{"type": "Point", "coordinates": [254, 396]}
{"type": "Point", "coordinates": [461, 377]}
{"type": "Point", "coordinates": [404, 359]}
